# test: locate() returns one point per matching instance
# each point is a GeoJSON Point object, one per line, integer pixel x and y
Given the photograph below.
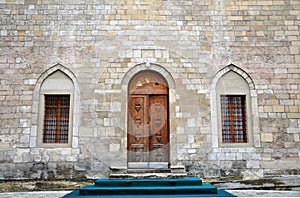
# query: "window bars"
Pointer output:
{"type": "Point", "coordinates": [56, 118]}
{"type": "Point", "coordinates": [233, 115]}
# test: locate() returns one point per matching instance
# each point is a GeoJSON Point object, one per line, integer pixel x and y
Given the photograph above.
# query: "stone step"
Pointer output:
{"type": "Point", "coordinates": [121, 172]}
{"type": "Point", "coordinates": [118, 169]}
{"type": "Point", "coordinates": [146, 175]}
{"type": "Point", "coordinates": [178, 169]}
{"type": "Point", "coordinates": [148, 170]}
{"type": "Point", "coordinates": [148, 190]}
{"type": "Point", "coordinates": [191, 181]}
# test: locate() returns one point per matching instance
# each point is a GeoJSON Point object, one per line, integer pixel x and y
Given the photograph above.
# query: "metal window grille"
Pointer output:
{"type": "Point", "coordinates": [56, 118]}
{"type": "Point", "coordinates": [233, 114]}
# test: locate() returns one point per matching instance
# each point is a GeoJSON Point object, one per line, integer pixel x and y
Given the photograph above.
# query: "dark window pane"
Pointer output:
{"type": "Point", "coordinates": [56, 119]}
{"type": "Point", "coordinates": [233, 115]}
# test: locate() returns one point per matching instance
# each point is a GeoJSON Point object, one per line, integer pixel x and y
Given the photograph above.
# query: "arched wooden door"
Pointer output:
{"type": "Point", "coordinates": [148, 122]}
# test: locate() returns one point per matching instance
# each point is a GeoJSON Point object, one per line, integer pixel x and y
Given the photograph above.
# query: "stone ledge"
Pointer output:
{"type": "Point", "coordinates": [272, 183]}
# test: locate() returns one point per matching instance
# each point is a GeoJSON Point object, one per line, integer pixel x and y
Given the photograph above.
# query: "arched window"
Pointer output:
{"type": "Point", "coordinates": [232, 113]}
{"type": "Point", "coordinates": [233, 96]}
{"type": "Point", "coordinates": [55, 120]}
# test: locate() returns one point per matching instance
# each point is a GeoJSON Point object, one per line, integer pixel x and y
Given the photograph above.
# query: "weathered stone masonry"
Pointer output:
{"type": "Point", "coordinates": [101, 45]}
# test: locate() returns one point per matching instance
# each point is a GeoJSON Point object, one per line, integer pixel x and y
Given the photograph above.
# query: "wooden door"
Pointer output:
{"type": "Point", "coordinates": [148, 123]}
{"type": "Point", "coordinates": [148, 131]}
{"type": "Point", "coordinates": [137, 129]}
{"type": "Point", "coordinates": [158, 133]}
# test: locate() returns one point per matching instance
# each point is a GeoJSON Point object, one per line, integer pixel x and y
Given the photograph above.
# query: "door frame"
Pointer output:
{"type": "Point", "coordinates": [163, 89]}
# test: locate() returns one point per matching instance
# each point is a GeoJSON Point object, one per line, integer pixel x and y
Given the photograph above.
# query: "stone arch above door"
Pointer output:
{"type": "Point", "coordinates": [148, 67]}
{"type": "Point", "coordinates": [148, 82]}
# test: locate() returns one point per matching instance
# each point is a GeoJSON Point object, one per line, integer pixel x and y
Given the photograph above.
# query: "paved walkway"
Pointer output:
{"type": "Point", "coordinates": [37, 194]}
{"type": "Point", "coordinates": [238, 193]}
{"type": "Point", "coordinates": [264, 193]}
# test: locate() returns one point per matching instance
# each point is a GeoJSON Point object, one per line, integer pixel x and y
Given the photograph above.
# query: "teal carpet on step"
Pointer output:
{"type": "Point", "coordinates": [153, 187]}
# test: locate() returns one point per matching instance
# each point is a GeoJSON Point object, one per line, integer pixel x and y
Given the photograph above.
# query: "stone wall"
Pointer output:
{"type": "Point", "coordinates": [104, 43]}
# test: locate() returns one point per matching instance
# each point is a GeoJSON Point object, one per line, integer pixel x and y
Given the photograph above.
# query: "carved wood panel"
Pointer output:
{"type": "Point", "coordinates": [159, 136]}
{"type": "Point", "coordinates": [137, 129]}
{"type": "Point", "coordinates": [148, 134]}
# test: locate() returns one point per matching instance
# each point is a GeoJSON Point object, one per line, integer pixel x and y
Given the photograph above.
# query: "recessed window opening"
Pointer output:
{"type": "Point", "coordinates": [233, 118]}
{"type": "Point", "coordinates": [56, 119]}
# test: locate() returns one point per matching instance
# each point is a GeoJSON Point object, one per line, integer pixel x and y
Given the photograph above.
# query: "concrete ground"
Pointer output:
{"type": "Point", "coordinates": [264, 193]}
{"type": "Point", "coordinates": [238, 193]}
{"type": "Point", "coordinates": [287, 186]}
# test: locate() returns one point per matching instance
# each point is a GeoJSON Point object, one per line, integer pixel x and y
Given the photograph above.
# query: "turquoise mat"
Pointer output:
{"type": "Point", "coordinates": [150, 187]}
{"type": "Point", "coordinates": [221, 193]}
{"type": "Point", "coordinates": [190, 181]}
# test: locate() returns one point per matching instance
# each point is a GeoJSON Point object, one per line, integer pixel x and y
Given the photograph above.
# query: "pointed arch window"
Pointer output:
{"type": "Point", "coordinates": [234, 117]}
{"type": "Point", "coordinates": [56, 111]}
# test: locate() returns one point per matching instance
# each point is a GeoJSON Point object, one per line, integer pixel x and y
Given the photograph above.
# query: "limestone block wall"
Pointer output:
{"type": "Point", "coordinates": [100, 45]}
